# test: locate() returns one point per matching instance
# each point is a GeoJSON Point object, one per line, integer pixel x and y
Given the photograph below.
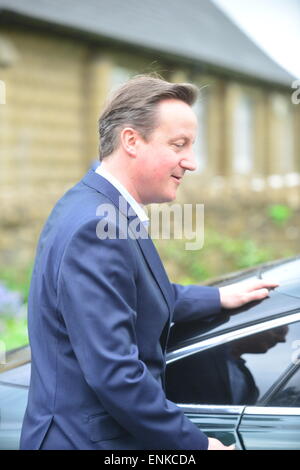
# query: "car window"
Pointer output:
{"type": "Point", "coordinates": [239, 372]}
{"type": "Point", "coordinates": [289, 395]}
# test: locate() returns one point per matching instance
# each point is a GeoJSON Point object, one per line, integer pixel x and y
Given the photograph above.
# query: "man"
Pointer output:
{"type": "Point", "coordinates": [100, 307]}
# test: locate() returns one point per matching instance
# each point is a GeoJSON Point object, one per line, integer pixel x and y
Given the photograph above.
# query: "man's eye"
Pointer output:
{"type": "Point", "coordinates": [178, 145]}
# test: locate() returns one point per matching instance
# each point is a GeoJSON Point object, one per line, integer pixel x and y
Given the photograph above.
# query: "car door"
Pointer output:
{"type": "Point", "coordinates": [270, 428]}
{"type": "Point", "coordinates": [220, 422]}
{"type": "Point", "coordinates": [277, 424]}
{"type": "Point", "coordinates": [231, 385]}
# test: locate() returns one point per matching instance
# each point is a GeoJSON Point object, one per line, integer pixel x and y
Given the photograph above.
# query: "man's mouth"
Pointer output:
{"type": "Point", "coordinates": [177, 178]}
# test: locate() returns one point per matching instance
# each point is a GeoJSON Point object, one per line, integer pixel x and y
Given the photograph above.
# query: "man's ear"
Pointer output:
{"type": "Point", "coordinates": [128, 140]}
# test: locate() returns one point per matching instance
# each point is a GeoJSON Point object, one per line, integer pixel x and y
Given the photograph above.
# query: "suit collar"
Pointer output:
{"type": "Point", "coordinates": [103, 186]}
{"type": "Point", "coordinates": [138, 209]}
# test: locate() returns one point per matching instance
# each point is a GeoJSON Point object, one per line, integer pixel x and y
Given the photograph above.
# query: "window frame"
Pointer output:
{"type": "Point", "coordinates": [279, 384]}
{"type": "Point", "coordinates": [243, 148]}
{"type": "Point", "coordinates": [180, 353]}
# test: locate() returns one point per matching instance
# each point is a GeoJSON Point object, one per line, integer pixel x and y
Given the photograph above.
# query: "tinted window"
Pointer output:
{"type": "Point", "coordinates": [276, 304]}
{"type": "Point", "coordinates": [290, 393]}
{"type": "Point", "coordinates": [239, 372]}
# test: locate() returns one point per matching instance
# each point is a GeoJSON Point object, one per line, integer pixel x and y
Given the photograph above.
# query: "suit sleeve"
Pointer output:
{"type": "Point", "coordinates": [195, 302]}
{"type": "Point", "coordinates": [97, 298]}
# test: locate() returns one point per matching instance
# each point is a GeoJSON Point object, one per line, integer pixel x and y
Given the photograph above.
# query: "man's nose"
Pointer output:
{"type": "Point", "coordinates": [189, 161]}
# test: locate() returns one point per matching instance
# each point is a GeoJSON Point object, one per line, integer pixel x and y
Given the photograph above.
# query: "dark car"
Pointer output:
{"type": "Point", "coordinates": [237, 377]}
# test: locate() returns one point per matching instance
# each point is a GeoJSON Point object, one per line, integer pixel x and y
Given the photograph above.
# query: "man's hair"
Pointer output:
{"type": "Point", "coordinates": [134, 105]}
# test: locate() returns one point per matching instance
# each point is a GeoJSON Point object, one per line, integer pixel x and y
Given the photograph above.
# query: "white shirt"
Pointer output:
{"type": "Point", "coordinates": [138, 209]}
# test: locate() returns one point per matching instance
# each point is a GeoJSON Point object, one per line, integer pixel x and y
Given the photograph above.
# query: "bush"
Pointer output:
{"type": "Point", "coordinates": [14, 289]}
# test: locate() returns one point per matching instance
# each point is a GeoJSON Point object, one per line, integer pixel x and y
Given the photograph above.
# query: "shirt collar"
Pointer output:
{"type": "Point", "coordinates": [138, 209]}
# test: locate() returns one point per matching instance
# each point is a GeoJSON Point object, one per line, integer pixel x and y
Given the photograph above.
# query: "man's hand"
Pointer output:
{"type": "Point", "coordinates": [236, 295]}
{"type": "Point", "coordinates": [214, 444]}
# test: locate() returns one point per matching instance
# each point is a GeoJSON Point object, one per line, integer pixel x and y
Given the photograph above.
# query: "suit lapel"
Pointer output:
{"type": "Point", "coordinates": [154, 262]}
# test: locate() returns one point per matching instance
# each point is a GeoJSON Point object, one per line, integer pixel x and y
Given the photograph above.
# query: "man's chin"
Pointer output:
{"type": "Point", "coordinates": [167, 199]}
{"type": "Point", "coordinates": [161, 199]}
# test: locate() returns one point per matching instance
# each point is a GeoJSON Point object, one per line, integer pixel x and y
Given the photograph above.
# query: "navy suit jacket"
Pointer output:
{"type": "Point", "coordinates": [99, 314]}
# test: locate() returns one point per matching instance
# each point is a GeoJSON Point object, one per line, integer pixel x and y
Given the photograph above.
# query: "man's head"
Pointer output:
{"type": "Point", "coordinates": [134, 105]}
{"type": "Point", "coordinates": [147, 132]}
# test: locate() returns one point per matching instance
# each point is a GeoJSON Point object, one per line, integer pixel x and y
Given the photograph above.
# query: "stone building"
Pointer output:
{"type": "Point", "coordinates": [59, 60]}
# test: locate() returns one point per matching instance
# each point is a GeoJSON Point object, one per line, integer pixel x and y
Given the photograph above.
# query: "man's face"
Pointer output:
{"type": "Point", "coordinates": [162, 160]}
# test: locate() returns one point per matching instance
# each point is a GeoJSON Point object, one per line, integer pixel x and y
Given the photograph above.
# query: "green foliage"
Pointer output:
{"type": "Point", "coordinates": [243, 253]}
{"type": "Point", "coordinates": [279, 213]}
{"type": "Point", "coordinates": [220, 254]}
{"type": "Point", "coordinates": [13, 327]}
{"type": "Point", "coordinates": [13, 332]}
{"type": "Point", "coordinates": [174, 252]}
{"type": "Point", "coordinates": [17, 279]}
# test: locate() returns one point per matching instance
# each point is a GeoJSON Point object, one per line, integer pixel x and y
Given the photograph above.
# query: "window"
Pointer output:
{"type": "Point", "coordinates": [283, 130]}
{"type": "Point", "coordinates": [289, 395]}
{"type": "Point", "coordinates": [243, 136]}
{"type": "Point", "coordinates": [200, 146]}
{"type": "Point", "coordinates": [119, 76]}
{"type": "Point", "coordinates": [239, 372]}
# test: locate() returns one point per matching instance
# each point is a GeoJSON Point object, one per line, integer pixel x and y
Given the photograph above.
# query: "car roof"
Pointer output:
{"type": "Point", "coordinates": [16, 370]}
{"type": "Point", "coordinates": [15, 358]}
{"type": "Point", "coordinates": [283, 300]}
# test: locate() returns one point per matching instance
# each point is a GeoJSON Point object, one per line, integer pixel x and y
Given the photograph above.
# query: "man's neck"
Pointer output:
{"type": "Point", "coordinates": [103, 171]}
{"type": "Point", "coordinates": [121, 174]}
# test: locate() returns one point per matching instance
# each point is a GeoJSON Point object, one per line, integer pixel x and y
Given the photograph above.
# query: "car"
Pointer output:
{"type": "Point", "coordinates": [236, 376]}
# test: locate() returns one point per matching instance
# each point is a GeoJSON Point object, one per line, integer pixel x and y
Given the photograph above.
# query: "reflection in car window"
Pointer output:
{"type": "Point", "coordinates": [239, 372]}
{"type": "Point", "coordinates": [290, 393]}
